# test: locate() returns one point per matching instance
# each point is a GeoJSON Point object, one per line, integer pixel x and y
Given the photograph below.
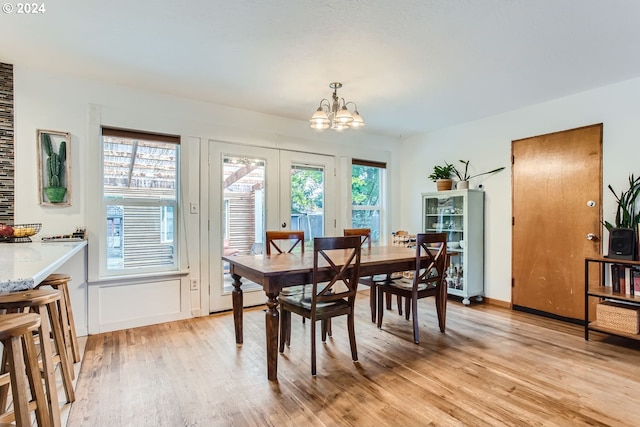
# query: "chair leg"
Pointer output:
{"type": "Point", "coordinates": [381, 301]}
{"type": "Point", "coordinates": [399, 303]}
{"type": "Point", "coordinates": [407, 307]}
{"type": "Point", "coordinates": [388, 300]}
{"type": "Point", "coordinates": [441, 308]}
{"type": "Point", "coordinates": [283, 328]}
{"type": "Point", "coordinates": [288, 330]}
{"type": "Point", "coordinates": [352, 335]}
{"type": "Point", "coordinates": [416, 329]}
{"type": "Point", "coordinates": [329, 330]}
{"type": "Point", "coordinates": [323, 329]}
{"type": "Point", "coordinates": [372, 301]}
{"type": "Point", "coordinates": [313, 346]}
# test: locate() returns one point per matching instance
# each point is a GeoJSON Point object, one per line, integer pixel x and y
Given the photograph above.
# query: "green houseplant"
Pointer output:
{"type": "Point", "coordinates": [465, 176]}
{"type": "Point", "coordinates": [626, 214]}
{"type": "Point", "coordinates": [55, 169]}
{"type": "Point", "coordinates": [441, 175]}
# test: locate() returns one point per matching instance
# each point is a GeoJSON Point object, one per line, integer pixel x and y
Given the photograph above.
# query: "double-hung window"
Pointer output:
{"type": "Point", "coordinates": [140, 201]}
{"type": "Point", "coordinates": [367, 178]}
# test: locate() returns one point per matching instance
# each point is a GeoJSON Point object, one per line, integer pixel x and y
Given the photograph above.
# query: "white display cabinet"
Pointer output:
{"type": "Point", "coordinates": [460, 214]}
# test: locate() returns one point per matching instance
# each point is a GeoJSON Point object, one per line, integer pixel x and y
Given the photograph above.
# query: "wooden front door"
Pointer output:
{"type": "Point", "coordinates": [557, 197]}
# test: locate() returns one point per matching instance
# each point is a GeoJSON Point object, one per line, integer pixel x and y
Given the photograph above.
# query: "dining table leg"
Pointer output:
{"type": "Point", "coordinates": [236, 296]}
{"type": "Point", "coordinates": [272, 321]}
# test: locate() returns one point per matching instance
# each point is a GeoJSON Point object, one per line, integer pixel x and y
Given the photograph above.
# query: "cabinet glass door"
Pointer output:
{"type": "Point", "coordinates": [446, 215]}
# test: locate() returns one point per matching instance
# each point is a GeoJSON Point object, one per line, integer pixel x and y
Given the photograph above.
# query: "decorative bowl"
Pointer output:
{"type": "Point", "coordinates": [21, 232]}
{"type": "Point", "coordinates": [453, 245]}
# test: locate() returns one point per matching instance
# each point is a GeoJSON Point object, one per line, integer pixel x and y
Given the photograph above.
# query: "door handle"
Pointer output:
{"type": "Point", "coordinates": [591, 236]}
{"type": "Point", "coordinates": [283, 225]}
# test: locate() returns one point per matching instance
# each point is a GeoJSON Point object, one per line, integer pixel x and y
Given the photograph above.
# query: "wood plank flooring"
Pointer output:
{"type": "Point", "coordinates": [493, 367]}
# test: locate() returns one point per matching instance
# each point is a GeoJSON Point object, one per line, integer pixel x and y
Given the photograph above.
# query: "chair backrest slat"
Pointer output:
{"type": "Point", "coordinates": [430, 271]}
{"type": "Point", "coordinates": [364, 233]}
{"type": "Point", "coordinates": [294, 237]}
{"type": "Point", "coordinates": [342, 254]}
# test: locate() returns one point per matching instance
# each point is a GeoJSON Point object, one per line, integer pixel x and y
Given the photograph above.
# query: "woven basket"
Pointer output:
{"type": "Point", "coordinates": [621, 317]}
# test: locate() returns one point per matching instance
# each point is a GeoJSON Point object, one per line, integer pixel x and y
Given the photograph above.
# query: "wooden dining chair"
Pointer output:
{"type": "Point", "coordinates": [279, 242]}
{"type": "Point", "coordinates": [277, 239]}
{"type": "Point", "coordinates": [365, 236]}
{"type": "Point", "coordinates": [428, 280]}
{"type": "Point", "coordinates": [331, 295]}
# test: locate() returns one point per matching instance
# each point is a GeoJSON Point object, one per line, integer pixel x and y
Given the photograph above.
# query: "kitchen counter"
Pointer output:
{"type": "Point", "coordinates": [25, 265]}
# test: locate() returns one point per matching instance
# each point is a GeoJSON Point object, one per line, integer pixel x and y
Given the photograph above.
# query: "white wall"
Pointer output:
{"type": "Point", "coordinates": [46, 100]}
{"type": "Point", "coordinates": [487, 143]}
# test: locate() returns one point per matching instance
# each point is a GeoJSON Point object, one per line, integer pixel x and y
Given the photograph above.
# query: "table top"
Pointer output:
{"type": "Point", "coordinates": [24, 265]}
{"type": "Point", "coordinates": [278, 264]}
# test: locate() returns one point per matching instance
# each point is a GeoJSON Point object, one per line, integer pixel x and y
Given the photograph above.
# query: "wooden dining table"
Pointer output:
{"type": "Point", "coordinates": [274, 272]}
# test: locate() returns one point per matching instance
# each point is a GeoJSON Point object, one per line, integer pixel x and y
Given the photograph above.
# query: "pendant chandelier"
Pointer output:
{"type": "Point", "coordinates": [334, 114]}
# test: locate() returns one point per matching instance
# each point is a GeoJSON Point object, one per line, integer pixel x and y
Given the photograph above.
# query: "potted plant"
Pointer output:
{"type": "Point", "coordinates": [441, 175]}
{"type": "Point", "coordinates": [55, 168]}
{"type": "Point", "coordinates": [623, 233]}
{"type": "Point", "coordinates": [465, 176]}
{"type": "Point", "coordinates": [626, 215]}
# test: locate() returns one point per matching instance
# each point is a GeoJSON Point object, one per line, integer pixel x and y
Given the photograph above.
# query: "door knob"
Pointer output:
{"type": "Point", "coordinates": [591, 236]}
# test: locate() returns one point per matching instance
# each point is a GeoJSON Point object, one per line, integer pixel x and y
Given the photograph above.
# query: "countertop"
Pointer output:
{"type": "Point", "coordinates": [24, 265]}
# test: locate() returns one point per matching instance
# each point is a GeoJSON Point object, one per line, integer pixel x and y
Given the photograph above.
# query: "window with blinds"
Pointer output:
{"type": "Point", "coordinates": [140, 200]}
{"type": "Point", "coordinates": [366, 195]}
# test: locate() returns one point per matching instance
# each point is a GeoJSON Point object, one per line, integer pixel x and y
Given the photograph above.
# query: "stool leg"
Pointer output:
{"type": "Point", "coordinates": [49, 369]}
{"type": "Point", "coordinates": [35, 382]}
{"type": "Point", "coordinates": [75, 347]}
{"type": "Point", "coordinates": [18, 381]}
{"type": "Point", "coordinates": [65, 365]}
{"type": "Point", "coordinates": [66, 331]}
{"type": "Point", "coordinates": [4, 389]}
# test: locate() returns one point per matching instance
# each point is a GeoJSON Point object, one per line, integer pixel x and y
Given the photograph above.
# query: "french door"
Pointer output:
{"type": "Point", "coordinates": [255, 189]}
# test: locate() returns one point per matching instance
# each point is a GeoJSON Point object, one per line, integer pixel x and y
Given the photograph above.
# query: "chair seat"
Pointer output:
{"type": "Point", "coordinates": [408, 284]}
{"type": "Point", "coordinates": [293, 290]}
{"type": "Point", "coordinates": [304, 301]}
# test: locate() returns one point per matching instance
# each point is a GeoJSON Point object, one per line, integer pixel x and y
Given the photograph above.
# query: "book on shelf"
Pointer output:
{"type": "Point", "coordinates": [627, 281]}
{"type": "Point", "coordinates": [635, 274]}
{"type": "Point", "coordinates": [615, 277]}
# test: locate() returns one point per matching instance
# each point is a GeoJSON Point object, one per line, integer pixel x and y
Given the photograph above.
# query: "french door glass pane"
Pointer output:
{"type": "Point", "coordinates": [307, 201]}
{"type": "Point", "coordinates": [243, 207]}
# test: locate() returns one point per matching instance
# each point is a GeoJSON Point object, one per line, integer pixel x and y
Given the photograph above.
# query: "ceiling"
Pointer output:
{"type": "Point", "coordinates": [410, 65]}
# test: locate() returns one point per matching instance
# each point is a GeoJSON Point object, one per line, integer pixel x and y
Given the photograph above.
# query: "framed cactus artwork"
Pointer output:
{"type": "Point", "coordinates": [54, 168]}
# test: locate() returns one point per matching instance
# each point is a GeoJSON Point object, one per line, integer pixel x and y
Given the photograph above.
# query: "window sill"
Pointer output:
{"type": "Point", "coordinates": [112, 280]}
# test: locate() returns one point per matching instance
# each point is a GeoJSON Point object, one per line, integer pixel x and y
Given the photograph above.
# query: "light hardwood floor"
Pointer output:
{"type": "Point", "coordinates": [493, 367]}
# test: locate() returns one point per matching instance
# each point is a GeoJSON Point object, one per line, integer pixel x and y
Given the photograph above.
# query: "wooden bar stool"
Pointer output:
{"type": "Point", "coordinates": [16, 335]}
{"type": "Point", "coordinates": [61, 283]}
{"type": "Point", "coordinates": [45, 302]}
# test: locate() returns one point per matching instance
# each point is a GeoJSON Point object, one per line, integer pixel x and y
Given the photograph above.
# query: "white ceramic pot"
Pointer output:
{"type": "Point", "coordinates": [462, 185]}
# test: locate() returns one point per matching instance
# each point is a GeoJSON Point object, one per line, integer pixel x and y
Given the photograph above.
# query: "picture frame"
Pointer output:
{"type": "Point", "coordinates": [54, 167]}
